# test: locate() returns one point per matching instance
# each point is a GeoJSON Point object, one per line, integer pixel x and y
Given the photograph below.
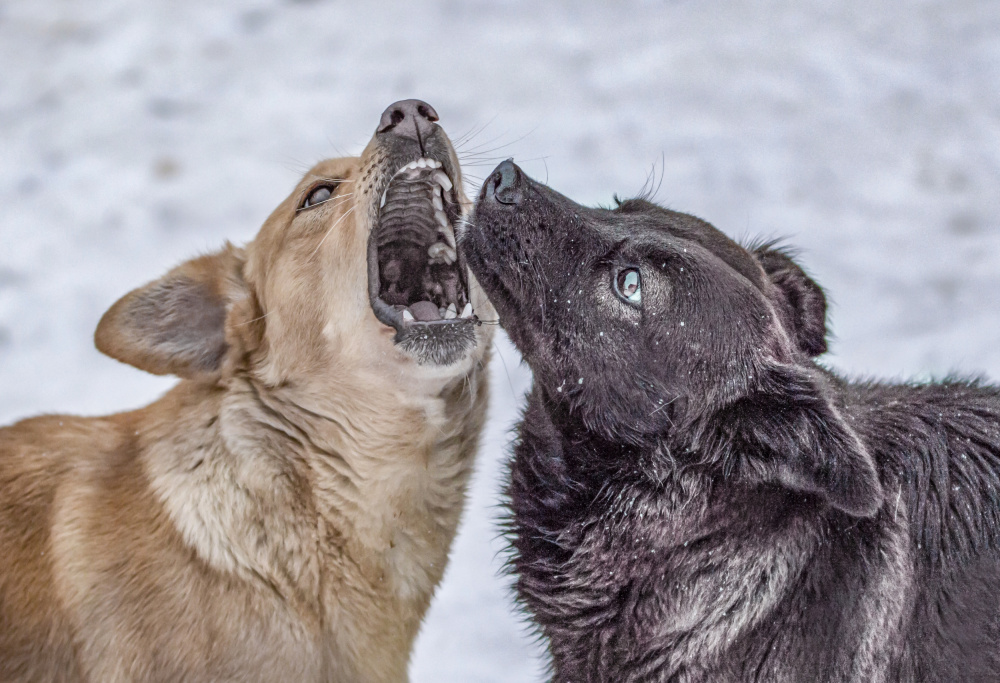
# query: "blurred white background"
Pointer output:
{"type": "Point", "coordinates": [136, 134]}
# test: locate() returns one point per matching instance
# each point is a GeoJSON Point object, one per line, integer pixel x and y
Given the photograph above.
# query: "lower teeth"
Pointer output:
{"type": "Point", "coordinates": [424, 312]}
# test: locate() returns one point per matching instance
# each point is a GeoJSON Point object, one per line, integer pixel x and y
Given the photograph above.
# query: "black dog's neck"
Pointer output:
{"type": "Point", "coordinates": [658, 459]}
{"type": "Point", "coordinates": [558, 454]}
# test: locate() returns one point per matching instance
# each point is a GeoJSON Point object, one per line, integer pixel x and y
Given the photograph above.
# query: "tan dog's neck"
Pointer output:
{"type": "Point", "coordinates": [385, 470]}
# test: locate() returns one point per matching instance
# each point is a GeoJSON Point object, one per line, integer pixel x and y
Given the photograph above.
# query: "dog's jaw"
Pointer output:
{"type": "Point", "coordinates": [418, 282]}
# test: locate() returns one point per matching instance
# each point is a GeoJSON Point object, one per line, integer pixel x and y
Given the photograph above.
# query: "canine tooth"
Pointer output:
{"type": "Point", "coordinates": [407, 316]}
{"type": "Point", "coordinates": [437, 201]}
{"type": "Point", "coordinates": [467, 311]}
{"type": "Point", "coordinates": [441, 219]}
{"type": "Point", "coordinates": [451, 312]}
{"type": "Point", "coordinates": [443, 180]}
{"type": "Point", "coordinates": [439, 251]}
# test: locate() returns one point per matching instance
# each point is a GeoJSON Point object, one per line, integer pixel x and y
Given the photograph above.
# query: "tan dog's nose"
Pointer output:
{"type": "Point", "coordinates": [408, 118]}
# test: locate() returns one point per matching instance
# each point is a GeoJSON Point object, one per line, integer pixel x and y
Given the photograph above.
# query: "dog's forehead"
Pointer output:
{"type": "Point", "coordinates": [278, 228]}
{"type": "Point", "coordinates": [331, 169]}
{"type": "Point", "coordinates": [660, 225]}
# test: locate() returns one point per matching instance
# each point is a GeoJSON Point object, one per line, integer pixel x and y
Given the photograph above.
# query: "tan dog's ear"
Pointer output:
{"type": "Point", "coordinates": [176, 325]}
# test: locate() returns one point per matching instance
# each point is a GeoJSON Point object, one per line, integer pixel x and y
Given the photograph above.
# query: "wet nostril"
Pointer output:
{"type": "Point", "coordinates": [408, 118]}
{"type": "Point", "coordinates": [427, 111]}
{"type": "Point", "coordinates": [506, 181]}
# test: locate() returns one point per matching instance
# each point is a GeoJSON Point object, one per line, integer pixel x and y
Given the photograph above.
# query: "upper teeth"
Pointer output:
{"type": "Point", "coordinates": [442, 179]}
{"type": "Point", "coordinates": [438, 176]}
{"type": "Point", "coordinates": [422, 163]}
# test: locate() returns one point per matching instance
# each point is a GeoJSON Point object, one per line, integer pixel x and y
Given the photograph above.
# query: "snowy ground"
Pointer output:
{"type": "Point", "coordinates": [135, 134]}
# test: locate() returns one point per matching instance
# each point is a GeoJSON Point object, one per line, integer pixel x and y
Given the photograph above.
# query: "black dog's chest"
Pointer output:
{"type": "Point", "coordinates": [644, 577]}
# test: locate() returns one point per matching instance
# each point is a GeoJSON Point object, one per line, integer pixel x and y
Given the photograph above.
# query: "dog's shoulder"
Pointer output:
{"type": "Point", "coordinates": [37, 453]}
{"type": "Point", "coordinates": [937, 446]}
{"type": "Point", "coordinates": [39, 458]}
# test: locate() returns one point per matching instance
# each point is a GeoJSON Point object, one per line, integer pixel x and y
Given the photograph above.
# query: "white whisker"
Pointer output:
{"type": "Point", "coordinates": [348, 213]}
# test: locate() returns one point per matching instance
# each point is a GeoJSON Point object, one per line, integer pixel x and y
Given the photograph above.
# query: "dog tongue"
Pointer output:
{"type": "Point", "coordinates": [425, 311]}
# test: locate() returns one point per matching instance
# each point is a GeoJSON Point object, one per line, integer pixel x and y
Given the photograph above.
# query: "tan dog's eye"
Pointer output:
{"type": "Point", "coordinates": [318, 195]}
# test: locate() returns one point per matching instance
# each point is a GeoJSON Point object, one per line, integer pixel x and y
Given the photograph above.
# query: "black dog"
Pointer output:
{"type": "Point", "coordinates": [693, 498]}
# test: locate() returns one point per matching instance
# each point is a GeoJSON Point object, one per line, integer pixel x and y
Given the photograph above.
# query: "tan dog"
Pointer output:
{"type": "Point", "coordinates": [285, 512]}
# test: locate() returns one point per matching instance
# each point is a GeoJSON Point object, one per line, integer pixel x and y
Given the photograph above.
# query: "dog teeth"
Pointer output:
{"type": "Point", "coordinates": [407, 316]}
{"type": "Point", "coordinates": [437, 202]}
{"type": "Point", "coordinates": [451, 312]}
{"type": "Point", "coordinates": [425, 163]}
{"type": "Point", "coordinates": [443, 180]}
{"type": "Point", "coordinates": [439, 251]}
{"type": "Point", "coordinates": [467, 311]}
{"type": "Point", "coordinates": [437, 175]}
{"type": "Point", "coordinates": [441, 219]}
{"type": "Point", "coordinates": [421, 163]}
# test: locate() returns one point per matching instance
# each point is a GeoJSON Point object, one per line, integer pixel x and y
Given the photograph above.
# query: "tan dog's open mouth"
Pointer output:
{"type": "Point", "coordinates": [417, 279]}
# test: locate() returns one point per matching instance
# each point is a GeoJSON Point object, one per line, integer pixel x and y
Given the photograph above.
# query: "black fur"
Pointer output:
{"type": "Point", "coordinates": [693, 498]}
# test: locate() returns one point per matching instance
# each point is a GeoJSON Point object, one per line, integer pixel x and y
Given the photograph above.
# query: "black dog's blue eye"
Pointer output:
{"type": "Point", "coordinates": [318, 195]}
{"type": "Point", "coordinates": [628, 285]}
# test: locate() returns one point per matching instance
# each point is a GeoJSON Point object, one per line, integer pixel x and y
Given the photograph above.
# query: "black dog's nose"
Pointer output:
{"type": "Point", "coordinates": [409, 118]}
{"type": "Point", "coordinates": [504, 184]}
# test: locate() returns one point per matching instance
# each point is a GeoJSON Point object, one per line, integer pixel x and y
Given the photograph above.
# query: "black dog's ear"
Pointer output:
{"type": "Point", "coordinates": [176, 325]}
{"type": "Point", "coordinates": [790, 433]}
{"type": "Point", "coordinates": [801, 303]}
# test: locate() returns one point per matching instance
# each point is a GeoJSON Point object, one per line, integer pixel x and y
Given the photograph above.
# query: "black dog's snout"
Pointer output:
{"type": "Point", "coordinates": [505, 183]}
{"type": "Point", "coordinates": [409, 118]}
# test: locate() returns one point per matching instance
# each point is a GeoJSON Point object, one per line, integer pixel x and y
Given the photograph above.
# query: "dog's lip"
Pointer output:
{"type": "Point", "coordinates": [404, 320]}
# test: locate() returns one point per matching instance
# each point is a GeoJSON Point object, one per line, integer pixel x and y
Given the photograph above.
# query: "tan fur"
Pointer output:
{"type": "Point", "coordinates": [283, 514]}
